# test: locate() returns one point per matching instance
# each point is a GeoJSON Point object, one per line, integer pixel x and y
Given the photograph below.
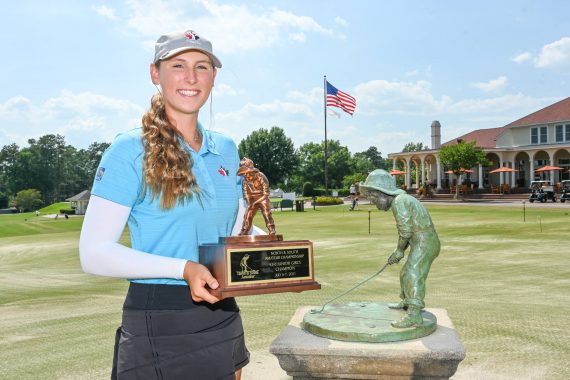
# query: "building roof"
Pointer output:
{"type": "Point", "coordinates": [559, 111]}
{"type": "Point", "coordinates": [484, 138]}
{"type": "Point", "coordinates": [83, 196]}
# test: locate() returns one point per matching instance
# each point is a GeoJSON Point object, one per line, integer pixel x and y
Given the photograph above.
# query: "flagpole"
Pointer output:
{"type": "Point", "coordinates": [325, 104]}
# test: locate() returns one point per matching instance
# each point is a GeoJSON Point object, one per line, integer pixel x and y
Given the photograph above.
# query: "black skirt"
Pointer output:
{"type": "Point", "coordinates": [166, 335]}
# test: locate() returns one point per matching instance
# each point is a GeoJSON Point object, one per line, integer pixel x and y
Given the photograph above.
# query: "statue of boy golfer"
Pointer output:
{"type": "Point", "coordinates": [416, 230]}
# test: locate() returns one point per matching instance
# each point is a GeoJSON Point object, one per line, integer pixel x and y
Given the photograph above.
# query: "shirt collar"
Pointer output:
{"type": "Point", "coordinates": [208, 144]}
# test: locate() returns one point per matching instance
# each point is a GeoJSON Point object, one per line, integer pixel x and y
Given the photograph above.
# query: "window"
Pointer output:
{"type": "Point", "coordinates": [534, 135]}
{"type": "Point", "coordinates": [567, 127]}
{"type": "Point", "coordinates": [543, 135]}
{"type": "Point", "coordinates": [559, 133]}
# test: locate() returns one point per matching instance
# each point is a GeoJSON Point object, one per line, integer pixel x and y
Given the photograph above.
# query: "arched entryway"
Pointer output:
{"type": "Point", "coordinates": [490, 180]}
{"type": "Point", "coordinates": [540, 158]}
{"type": "Point", "coordinates": [562, 159]}
{"type": "Point", "coordinates": [522, 164]}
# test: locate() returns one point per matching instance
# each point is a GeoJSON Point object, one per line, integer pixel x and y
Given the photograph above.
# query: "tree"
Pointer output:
{"type": "Point", "coordinates": [28, 200]}
{"type": "Point", "coordinates": [46, 165]}
{"type": "Point", "coordinates": [369, 160]}
{"type": "Point", "coordinates": [272, 152]}
{"type": "Point", "coordinates": [414, 147]}
{"type": "Point", "coordinates": [460, 156]}
{"type": "Point", "coordinates": [312, 157]}
{"type": "Point", "coordinates": [353, 178]}
{"type": "Point", "coordinates": [8, 168]}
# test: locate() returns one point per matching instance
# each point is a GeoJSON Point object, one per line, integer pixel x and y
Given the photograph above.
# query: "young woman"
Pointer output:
{"type": "Point", "coordinates": [175, 185]}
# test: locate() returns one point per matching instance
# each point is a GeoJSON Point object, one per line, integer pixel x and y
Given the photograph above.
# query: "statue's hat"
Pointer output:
{"type": "Point", "coordinates": [382, 181]}
{"type": "Point", "coordinates": [246, 166]}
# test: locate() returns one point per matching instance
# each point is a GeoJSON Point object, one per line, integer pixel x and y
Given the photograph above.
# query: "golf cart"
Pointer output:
{"type": "Point", "coordinates": [565, 191]}
{"type": "Point", "coordinates": [541, 191]}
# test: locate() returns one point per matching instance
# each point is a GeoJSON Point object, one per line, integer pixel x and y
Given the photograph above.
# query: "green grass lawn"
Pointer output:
{"type": "Point", "coordinates": [54, 208]}
{"type": "Point", "coordinates": [505, 283]}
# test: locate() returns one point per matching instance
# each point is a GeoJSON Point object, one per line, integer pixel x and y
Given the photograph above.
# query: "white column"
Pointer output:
{"type": "Point", "coordinates": [408, 167]}
{"type": "Point", "coordinates": [531, 174]}
{"type": "Point", "coordinates": [513, 176]}
{"type": "Point", "coordinates": [438, 171]}
{"type": "Point", "coordinates": [552, 171]}
{"type": "Point", "coordinates": [501, 175]}
{"type": "Point", "coordinates": [418, 168]}
{"type": "Point", "coordinates": [480, 176]}
{"type": "Point", "coordinates": [423, 171]}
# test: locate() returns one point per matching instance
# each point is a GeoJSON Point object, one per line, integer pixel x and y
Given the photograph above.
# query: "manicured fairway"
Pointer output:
{"type": "Point", "coordinates": [505, 283]}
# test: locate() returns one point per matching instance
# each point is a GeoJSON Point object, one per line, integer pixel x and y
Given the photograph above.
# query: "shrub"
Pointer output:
{"type": "Point", "coordinates": [308, 189]}
{"type": "Point", "coordinates": [67, 211]}
{"type": "Point", "coordinates": [318, 192]}
{"type": "Point", "coordinates": [323, 201]}
{"type": "Point", "coordinates": [28, 200]}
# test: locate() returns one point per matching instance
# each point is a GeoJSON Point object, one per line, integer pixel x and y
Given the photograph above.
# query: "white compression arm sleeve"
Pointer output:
{"type": "Point", "coordinates": [102, 254]}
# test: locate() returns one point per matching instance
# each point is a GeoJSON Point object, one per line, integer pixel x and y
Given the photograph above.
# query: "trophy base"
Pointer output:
{"type": "Point", "coordinates": [259, 264]}
{"type": "Point", "coordinates": [236, 291]}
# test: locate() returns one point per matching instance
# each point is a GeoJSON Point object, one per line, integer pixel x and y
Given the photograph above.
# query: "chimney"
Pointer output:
{"type": "Point", "coordinates": [435, 135]}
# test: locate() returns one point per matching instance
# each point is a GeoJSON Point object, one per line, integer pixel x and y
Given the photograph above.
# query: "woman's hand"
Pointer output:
{"type": "Point", "coordinates": [198, 276]}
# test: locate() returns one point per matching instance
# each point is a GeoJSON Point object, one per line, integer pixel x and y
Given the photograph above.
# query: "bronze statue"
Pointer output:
{"type": "Point", "coordinates": [256, 193]}
{"type": "Point", "coordinates": [416, 230]}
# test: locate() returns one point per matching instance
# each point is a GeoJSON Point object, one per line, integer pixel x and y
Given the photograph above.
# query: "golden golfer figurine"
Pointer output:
{"type": "Point", "coordinates": [256, 193]}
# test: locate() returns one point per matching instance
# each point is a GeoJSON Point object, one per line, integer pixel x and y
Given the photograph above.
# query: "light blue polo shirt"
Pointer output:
{"type": "Point", "coordinates": [177, 232]}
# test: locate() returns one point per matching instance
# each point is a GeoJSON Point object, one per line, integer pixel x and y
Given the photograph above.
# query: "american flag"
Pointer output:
{"type": "Point", "coordinates": [342, 100]}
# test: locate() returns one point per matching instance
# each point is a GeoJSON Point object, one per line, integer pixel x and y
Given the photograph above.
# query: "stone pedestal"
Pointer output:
{"type": "Point", "coordinates": [306, 356]}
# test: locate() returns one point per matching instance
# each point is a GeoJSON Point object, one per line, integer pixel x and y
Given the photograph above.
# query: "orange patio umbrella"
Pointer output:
{"type": "Point", "coordinates": [548, 168]}
{"type": "Point", "coordinates": [396, 172]}
{"type": "Point", "coordinates": [461, 170]}
{"type": "Point", "coordinates": [503, 169]}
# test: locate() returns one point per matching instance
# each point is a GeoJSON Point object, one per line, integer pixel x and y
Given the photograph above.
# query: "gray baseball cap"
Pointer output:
{"type": "Point", "coordinates": [171, 44]}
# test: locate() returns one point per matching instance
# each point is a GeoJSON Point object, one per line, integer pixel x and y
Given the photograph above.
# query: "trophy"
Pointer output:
{"type": "Point", "coordinates": [258, 264]}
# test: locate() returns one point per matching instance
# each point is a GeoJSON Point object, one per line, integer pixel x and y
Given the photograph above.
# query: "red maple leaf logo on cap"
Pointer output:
{"type": "Point", "coordinates": [191, 36]}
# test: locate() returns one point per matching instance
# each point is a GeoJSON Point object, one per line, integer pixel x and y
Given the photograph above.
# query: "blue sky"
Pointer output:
{"type": "Point", "coordinates": [81, 68]}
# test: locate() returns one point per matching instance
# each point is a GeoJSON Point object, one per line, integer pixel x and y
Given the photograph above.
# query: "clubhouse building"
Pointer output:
{"type": "Point", "coordinates": [529, 143]}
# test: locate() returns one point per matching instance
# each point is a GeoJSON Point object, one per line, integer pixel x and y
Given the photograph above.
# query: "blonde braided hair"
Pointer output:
{"type": "Point", "coordinates": [167, 167]}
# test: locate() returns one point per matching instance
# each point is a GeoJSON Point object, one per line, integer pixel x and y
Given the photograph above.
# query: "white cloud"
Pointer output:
{"type": "Point", "coordinates": [15, 105]}
{"type": "Point", "coordinates": [313, 96]}
{"type": "Point", "coordinates": [106, 12]}
{"type": "Point", "coordinates": [296, 117]}
{"type": "Point", "coordinates": [407, 109]}
{"type": "Point", "coordinates": [222, 89]}
{"type": "Point", "coordinates": [81, 117]}
{"type": "Point", "coordinates": [502, 104]}
{"type": "Point", "coordinates": [492, 85]}
{"type": "Point", "coordinates": [417, 99]}
{"type": "Point", "coordinates": [342, 22]}
{"type": "Point", "coordinates": [231, 27]}
{"type": "Point", "coordinates": [381, 96]}
{"type": "Point", "coordinates": [555, 54]}
{"type": "Point", "coordinates": [87, 103]}
{"type": "Point", "coordinates": [277, 109]}
{"type": "Point", "coordinates": [299, 37]}
{"type": "Point", "coordinates": [523, 57]}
